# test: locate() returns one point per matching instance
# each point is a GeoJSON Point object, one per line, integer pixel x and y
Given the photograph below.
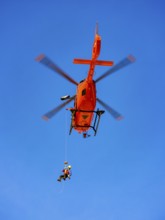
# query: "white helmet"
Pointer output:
{"type": "Point", "coordinates": [69, 167]}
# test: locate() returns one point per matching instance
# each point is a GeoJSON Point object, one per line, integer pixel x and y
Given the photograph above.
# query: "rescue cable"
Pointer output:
{"type": "Point", "coordinates": [66, 139]}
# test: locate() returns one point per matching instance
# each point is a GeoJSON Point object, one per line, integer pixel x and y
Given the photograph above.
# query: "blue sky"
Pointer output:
{"type": "Point", "coordinates": [119, 174]}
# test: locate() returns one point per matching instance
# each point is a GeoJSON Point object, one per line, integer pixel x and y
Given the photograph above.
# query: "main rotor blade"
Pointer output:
{"type": "Point", "coordinates": [114, 113]}
{"type": "Point", "coordinates": [128, 60]}
{"type": "Point", "coordinates": [47, 62]}
{"type": "Point", "coordinates": [51, 113]}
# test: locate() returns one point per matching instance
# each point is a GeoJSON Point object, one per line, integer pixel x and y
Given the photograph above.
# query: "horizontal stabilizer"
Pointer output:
{"type": "Point", "coordinates": [104, 63]}
{"type": "Point", "coordinates": [97, 62]}
{"type": "Point", "coordinates": [81, 61]}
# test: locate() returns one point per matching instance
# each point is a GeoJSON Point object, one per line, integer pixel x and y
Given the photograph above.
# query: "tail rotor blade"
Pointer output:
{"type": "Point", "coordinates": [113, 112]}
{"type": "Point", "coordinates": [128, 60]}
{"type": "Point", "coordinates": [52, 113]}
{"type": "Point", "coordinates": [47, 62]}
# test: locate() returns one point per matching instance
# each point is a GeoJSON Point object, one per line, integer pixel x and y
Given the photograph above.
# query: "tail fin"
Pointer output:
{"type": "Point", "coordinates": [95, 53]}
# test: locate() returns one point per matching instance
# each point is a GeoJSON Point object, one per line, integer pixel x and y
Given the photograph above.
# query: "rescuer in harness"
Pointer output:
{"type": "Point", "coordinates": [66, 172]}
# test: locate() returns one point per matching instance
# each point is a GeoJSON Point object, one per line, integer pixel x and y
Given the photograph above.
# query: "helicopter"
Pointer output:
{"type": "Point", "coordinates": [84, 115]}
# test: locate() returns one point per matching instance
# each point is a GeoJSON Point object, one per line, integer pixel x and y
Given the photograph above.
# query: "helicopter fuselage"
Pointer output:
{"type": "Point", "coordinates": [85, 100]}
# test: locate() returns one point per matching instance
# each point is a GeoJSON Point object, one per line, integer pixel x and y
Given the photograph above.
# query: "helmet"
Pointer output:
{"type": "Point", "coordinates": [69, 167]}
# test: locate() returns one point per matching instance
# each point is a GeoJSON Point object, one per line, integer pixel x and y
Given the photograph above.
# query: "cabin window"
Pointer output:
{"type": "Point", "coordinates": [83, 92]}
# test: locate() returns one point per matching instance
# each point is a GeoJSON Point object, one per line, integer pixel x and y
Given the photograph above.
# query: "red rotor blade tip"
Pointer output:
{"type": "Point", "coordinates": [120, 118]}
{"type": "Point", "coordinates": [131, 58]}
{"type": "Point", "coordinates": [45, 118]}
{"type": "Point", "coordinates": [40, 57]}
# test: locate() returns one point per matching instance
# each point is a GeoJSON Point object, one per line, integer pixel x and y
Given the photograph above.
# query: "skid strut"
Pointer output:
{"type": "Point", "coordinates": [96, 122]}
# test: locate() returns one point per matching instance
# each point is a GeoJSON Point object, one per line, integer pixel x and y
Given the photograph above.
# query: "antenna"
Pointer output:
{"type": "Point", "coordinates": [97, 28]}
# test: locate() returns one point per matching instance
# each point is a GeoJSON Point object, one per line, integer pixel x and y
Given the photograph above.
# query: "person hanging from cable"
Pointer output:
{"type": "Point", "coordinates": [66, 172]}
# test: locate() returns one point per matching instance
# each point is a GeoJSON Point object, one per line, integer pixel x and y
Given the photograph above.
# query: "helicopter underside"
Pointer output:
{"type": "Point", "coordinates": [84, 125]}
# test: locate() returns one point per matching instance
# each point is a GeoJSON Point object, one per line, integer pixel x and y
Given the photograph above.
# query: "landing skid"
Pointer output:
{"type": "Point", "coordinates": [95, 125]}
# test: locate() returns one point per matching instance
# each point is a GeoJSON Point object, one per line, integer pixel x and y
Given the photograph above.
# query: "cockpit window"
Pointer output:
{"type": "Point", "coordinates": [83, 92]}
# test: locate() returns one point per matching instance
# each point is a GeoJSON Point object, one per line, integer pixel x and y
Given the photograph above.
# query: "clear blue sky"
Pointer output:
{"type": "Point", "coordinates": [120, 173]}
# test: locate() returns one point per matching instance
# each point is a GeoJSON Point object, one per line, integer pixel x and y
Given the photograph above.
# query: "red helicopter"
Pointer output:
{"type": "Point", "coordinates": [84, 113]}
